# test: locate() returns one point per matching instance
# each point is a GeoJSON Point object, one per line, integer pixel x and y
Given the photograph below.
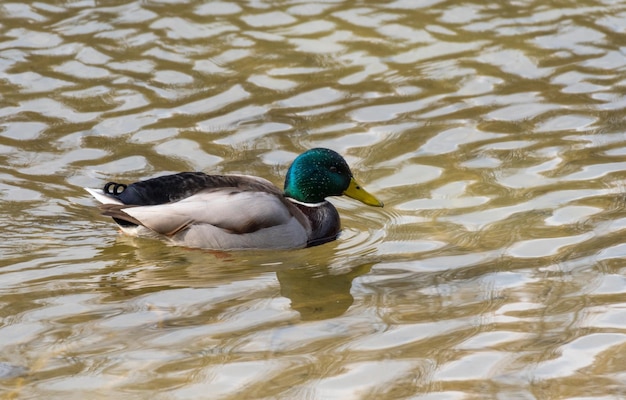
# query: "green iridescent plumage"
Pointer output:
{"type": "Point", "coordinates": [317, 174]}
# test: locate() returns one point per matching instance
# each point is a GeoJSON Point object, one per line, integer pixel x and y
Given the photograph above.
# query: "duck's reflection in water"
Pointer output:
{"type": "Point", "coordinates": [319, 293]}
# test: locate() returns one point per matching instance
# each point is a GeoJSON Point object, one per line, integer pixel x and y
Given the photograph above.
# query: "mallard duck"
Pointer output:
{"type": "Point", "coordinates": [228, 212]}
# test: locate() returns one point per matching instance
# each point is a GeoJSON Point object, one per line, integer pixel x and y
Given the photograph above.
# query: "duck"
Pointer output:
{"type": "Point", "coordinates": [237, 212]}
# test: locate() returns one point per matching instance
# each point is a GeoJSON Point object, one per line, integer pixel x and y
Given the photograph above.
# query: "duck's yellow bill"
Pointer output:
{"type": "Point", "coordinates": [357, 192]}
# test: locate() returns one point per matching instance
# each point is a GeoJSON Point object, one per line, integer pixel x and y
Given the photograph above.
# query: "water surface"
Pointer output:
{"type": "Point", "coordinates": [493, 132]}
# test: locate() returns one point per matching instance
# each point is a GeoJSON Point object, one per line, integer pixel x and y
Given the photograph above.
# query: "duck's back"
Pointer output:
{"type": "Point", "coordinates": [171, 188]}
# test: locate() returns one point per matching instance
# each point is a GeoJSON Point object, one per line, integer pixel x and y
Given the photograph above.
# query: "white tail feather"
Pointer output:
{"type": "Point", "coordinates": [103, 198]}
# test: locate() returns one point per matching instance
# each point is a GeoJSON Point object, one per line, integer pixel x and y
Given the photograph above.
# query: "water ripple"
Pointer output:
{"type": "Point", "coordinates": [494, 133]}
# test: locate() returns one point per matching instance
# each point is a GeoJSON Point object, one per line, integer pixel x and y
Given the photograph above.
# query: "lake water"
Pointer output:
{"type": "Point", "coordinates": [493, 131]}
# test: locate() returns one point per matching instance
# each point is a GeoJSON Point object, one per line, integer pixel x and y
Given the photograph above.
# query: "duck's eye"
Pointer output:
{"type": "Point", "coordinates": [333, 169]}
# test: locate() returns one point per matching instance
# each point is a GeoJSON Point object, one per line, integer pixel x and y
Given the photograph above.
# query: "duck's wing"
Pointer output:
{"type": "Point", "coordinates": [219, 219]}
{"type": "Point", "coordinates": [235, 211]}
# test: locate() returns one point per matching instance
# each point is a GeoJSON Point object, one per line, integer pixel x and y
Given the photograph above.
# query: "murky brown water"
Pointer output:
{"type": "Point", "coordinates": [493, 131]}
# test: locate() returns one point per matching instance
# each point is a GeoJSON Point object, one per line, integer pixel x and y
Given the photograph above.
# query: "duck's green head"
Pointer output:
{"type": "Point", "coordinates": [319, 173]}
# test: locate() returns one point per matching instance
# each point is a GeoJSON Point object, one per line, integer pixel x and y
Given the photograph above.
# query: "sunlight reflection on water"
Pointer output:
{"type": "Point", "coordinates": [494, 133]}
